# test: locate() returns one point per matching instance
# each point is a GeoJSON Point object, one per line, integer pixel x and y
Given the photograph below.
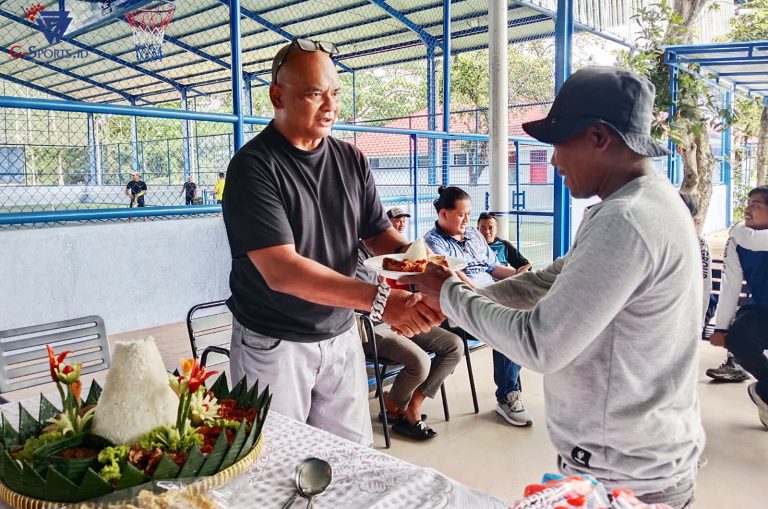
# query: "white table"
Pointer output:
{"type": "Point", "coordinates": [362, 476]}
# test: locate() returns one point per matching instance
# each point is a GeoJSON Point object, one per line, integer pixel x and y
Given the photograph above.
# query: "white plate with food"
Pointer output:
{"type": "Point", "coordinates": [409, 266]}
{"type": "Point", "coordinates": [413, 261]}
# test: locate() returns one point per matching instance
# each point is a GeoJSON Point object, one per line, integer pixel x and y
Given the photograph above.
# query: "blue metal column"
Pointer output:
{"type": "Point", "coordinates": [725, 164]}
{"type": "Point", "coordinates": [431, 94]}
{"type": "Point", "coordinates": [237, 72]}
{"type": "Point", "coordinates": [185, 141]}
{"type": "Point", "coordinates": [672, 157]}
{"type": "Point", "coordinates": [134, 142]}
{"type": "Point", "coordinates": [562, 199]}
{"type": "Point", "coordinates": [446, 89]}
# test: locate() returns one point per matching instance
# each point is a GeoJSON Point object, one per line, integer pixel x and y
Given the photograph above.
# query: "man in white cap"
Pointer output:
{"type": "Point", "coordinates": [614, 324]}
{"type": "Point", "coordinates": [397, 216]}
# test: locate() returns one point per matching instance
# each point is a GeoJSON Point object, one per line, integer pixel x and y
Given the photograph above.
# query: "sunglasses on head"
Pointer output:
{"type": "Point", "coordinates": [305, 45]}
{"type": "Point", "coordinates": [486, 215]}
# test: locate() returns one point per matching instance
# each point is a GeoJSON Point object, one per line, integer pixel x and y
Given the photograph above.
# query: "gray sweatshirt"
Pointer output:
{"type": "Point", "coordinates": [614, 327]}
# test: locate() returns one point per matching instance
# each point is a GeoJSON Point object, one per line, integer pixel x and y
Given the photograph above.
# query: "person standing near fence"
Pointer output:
{"type": "Point", "coordinates": [296, 203]}
{"type": "Point", "coordinates": [189, 190]}
{"type": "Point", "coordinates": [136, 189]}
{"type": "Point", "coordinates": [218, 187]}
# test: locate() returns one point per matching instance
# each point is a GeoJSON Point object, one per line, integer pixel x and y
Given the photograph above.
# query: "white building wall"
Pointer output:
{"type": "Point", "coordinates": [134, 275]}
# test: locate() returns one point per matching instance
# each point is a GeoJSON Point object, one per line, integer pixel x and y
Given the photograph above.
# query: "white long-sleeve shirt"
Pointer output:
{"type": "Point", "coordinates": [746, 257]}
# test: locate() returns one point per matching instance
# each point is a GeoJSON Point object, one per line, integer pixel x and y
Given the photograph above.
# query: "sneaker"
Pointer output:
{"type": "Point", "coordinates": [762, 406]}
{"type": "Point", "coordinates": [728, 371]}
{"type": "Point", "coordinates": [513, 410]}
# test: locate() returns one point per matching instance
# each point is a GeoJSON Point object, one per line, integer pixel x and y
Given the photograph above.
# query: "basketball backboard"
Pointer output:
{"type": "Point", "coordinates": [89, 14]}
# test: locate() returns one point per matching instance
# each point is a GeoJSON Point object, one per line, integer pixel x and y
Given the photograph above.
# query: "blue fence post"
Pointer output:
{"type": "Point", "coordinates": [517, 191]}
{"type": "Point", "coordinates": [168, 160]}
{"type": "Point", "coordinates": [119, 166]}
{"type": "Point", "coordinates": [415, 179]}
{"type": "Point", "coordinates": [95, 177]}
{"type": "Point", "coordinates": [135, 142]}
{"type": "Point", "coordinates": [185, 149]}
{"type": "Point", "coordinates": [446, 89]}
{"type": "Point", "coordinates": [725, 163]}
{"type": "Point", "coordinates": [431, 121]}
{"type": "Point", "coordinates": [563, 50]}
{"type": "Point", "coordinates": [672, 157]}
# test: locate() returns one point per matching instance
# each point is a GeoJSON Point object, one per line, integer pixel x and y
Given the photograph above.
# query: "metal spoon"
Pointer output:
{"type": "Point", "coordinates": [313, 477]}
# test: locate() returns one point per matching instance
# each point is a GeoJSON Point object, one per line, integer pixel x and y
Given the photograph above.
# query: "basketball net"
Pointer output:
{"type": "Point", "coordinates": [148, 26]}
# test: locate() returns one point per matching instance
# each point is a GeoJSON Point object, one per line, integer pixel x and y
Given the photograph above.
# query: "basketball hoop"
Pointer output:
{"type": "Point", "coordinates": [148, 26]}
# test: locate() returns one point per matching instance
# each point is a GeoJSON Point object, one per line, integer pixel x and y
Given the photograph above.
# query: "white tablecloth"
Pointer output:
{"type": "Point", "coordinates": [362, 477]}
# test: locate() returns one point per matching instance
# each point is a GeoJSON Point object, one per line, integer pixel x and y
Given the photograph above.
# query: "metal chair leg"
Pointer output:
{"type": "Point", "coordinates": [445, 403]}
{"type": "Point", "coordinates": [470, 372]}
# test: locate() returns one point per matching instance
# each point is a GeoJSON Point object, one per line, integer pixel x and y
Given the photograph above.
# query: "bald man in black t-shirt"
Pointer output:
{"type": "Point", "coordinates": [295, 205]}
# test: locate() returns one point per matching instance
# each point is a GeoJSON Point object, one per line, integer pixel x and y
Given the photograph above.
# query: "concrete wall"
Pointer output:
{"type": "Point", "coordinates": [135, 275]}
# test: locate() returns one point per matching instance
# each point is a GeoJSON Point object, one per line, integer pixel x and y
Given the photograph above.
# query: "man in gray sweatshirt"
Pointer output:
{"type": "Point", "coordinates": [614, 324]}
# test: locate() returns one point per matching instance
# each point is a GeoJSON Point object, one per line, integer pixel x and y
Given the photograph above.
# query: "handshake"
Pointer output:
{"type": "Point", "coordinates": [413, 313]}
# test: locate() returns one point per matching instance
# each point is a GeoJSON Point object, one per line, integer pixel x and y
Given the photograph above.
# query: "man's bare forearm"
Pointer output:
{"type": "Point", "coordinates": [306, 279]}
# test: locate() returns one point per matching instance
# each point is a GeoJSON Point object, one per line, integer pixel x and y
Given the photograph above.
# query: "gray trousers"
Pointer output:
{"type": "Point", "coordinates": [323, 384]}
{"type": "Point", "coordinates": [420, 372]}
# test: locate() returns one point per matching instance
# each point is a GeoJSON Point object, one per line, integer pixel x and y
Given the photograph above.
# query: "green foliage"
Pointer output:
{"type": "Point", "coordinates": [752, 22]}
{"type": "Point", "coordinates": [660, 25]}
{"type": "Point", "coordinates": [392, 92]}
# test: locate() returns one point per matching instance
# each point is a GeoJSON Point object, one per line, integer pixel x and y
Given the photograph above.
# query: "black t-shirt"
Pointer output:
{"type": "Point", "coordinates": [321, 201]}
{"type": "Point", "coordinates": [189, 188]}
{"type": "Point", "coordinates": [136, 186]}
{"type": "Point", "coordinates": [514, 258]}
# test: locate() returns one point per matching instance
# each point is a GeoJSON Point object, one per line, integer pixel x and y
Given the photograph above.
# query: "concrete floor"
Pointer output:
{"type": "Point", "coordinates": [485, 453]}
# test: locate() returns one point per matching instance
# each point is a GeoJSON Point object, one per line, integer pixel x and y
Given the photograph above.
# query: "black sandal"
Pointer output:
{"type": "Point", "coordinates": [391, 418]}
{"type": "Point", "coordinates": [419, 431]}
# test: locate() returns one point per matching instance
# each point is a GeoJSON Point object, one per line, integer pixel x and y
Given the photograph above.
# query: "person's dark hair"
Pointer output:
{"type": "Point", "coordinates": [691, 202]}
{"type": "Point", "coordinates": [759, 190]}
{"type": "Point", "coordinates": [448, 196]}
{"type": "Point", "coordinates": [221, 174]}
{"type": "Point", "coordinates": [487, 215]}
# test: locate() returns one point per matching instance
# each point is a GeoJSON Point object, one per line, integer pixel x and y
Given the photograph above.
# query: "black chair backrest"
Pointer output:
{"type": "Point", "coordinates": [24, 357]}
{"type": "Point", "coordinates": [210, 332]}
{"type": "Point", "coordinates": [717, 278]}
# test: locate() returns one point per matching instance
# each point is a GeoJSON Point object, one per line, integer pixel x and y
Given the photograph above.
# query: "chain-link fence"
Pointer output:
{"type": "Point", "coordinates": [390, 65]}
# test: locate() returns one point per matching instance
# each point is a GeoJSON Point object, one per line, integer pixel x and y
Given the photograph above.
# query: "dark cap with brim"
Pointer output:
{"type": "Point", "coordinates": [618, 98]}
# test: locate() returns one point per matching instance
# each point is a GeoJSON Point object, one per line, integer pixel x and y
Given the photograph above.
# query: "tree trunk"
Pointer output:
{"type": "Point", "coordinates": [698, 163]}
{"type": "Point", "coordinates": [689, 11]}
{"type": "Point", "coordinates": [761, 165]}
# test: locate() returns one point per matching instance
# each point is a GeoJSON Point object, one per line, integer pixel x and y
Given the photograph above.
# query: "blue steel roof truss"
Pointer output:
{"type": "Point", "coordinates": [737, 65]}
{"type": "Point", "coordinates": [198, 57]}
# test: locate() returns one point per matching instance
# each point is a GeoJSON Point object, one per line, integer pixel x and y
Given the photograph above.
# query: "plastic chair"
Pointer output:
{"type": "Point", "coordinates": [386, 369]}
{"type": "Point", "coordinates": [209, 326]}
{"type": "Point", "coordinates": [24, 357]}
